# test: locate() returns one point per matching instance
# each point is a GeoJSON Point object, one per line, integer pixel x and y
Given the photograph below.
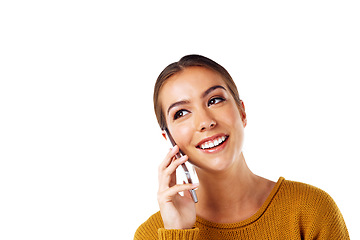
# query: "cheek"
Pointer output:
{"type": "Point", "coordinates": [182, 135]}
{"type": "Point", "coordinates": [236, 122]}
{"type": "Point", "coordinates": [232, 117]}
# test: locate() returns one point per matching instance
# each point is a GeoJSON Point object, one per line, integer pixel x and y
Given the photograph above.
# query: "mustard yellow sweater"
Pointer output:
{"type": "Point", "coordinates": [293, 210]}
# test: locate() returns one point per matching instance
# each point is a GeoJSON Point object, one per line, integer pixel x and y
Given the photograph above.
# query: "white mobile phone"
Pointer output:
{"type": "Point", "coordinates": [187, 173]}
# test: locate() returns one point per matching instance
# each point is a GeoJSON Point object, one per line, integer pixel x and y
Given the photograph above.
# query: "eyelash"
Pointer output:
{"type": "Point", "coordinates": [216, 98]}
{"type": "Point", "coordinates": [177, 114]}
{"type": "Point", "coordinates": [180, 113]}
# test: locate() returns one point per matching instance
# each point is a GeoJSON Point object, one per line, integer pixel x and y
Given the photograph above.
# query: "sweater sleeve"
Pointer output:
{"type": "Point", "coordinates": [332, 224]}
{"type": "Point", "coordinates": [187, 234]}
{"type": "Point", "coordinates": [327, 221]}
{"type": "Point", "coordinates": [166, 234]}
{"type": "Point", "coordinates": [153, 229]}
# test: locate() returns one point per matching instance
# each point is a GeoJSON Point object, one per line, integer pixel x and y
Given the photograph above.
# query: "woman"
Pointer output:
{"type": "Point", "coordinates": [198, 102]}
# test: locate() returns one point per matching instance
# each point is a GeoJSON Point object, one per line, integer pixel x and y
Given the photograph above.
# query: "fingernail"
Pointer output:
{"type": "Point", "coordinates": [195, 185]}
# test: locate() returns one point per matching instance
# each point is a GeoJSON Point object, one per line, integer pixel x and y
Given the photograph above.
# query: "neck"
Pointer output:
{"type": "Point", "coordinates": [234, 190]}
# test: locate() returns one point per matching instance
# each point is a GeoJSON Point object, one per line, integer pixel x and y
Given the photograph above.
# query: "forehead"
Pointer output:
{"type": "Point", "coordinates": [190, 82]}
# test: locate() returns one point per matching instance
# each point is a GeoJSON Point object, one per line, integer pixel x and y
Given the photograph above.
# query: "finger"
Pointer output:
{"type": "Point", "coordinates": [167, 177]}
{"type": "Point", "coordinates": [169, 193]}
{"type": "Point", "coordinates": [175, 164]}
{"type": "Point", "coordinates": [168, 158]}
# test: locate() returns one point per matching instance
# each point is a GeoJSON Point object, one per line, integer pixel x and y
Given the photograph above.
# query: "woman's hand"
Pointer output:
{"type": "Point", "coordinates": [177, 212]}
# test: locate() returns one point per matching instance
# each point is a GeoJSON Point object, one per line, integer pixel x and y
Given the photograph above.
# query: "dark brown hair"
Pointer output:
{"type": "Point", "coordinates": [177, 67]}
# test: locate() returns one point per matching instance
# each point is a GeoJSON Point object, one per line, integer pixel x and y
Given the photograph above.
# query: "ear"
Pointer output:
{"type": "Point", "coordinates": [163, 133]}
{"type": "Point", "coordinates": [245, 122]}
{"type": "Point", "coordinates": [243, 113]}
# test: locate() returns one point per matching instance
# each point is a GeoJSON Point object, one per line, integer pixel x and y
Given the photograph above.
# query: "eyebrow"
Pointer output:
{"type": "Point", "coordinates": [207, 92]}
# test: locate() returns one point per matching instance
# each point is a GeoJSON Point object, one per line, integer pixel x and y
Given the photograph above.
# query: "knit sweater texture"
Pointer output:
{"type": "Point", "coordinates": [293, 210]}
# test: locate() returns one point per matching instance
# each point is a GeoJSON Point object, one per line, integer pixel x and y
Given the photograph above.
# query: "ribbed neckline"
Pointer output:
{"type": "Point", "coordinates": [248, 221]}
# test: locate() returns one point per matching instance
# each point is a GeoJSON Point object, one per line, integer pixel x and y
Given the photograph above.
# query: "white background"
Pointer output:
{"type": "Point", "coordinates": [79, 142]}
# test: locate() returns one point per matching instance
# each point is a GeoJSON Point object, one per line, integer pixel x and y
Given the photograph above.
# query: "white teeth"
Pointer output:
{"type": "Point", "coordinates": [213, 143]}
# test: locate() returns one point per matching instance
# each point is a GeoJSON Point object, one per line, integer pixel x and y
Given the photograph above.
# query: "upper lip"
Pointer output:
{"type": "Point", "coordinates": [210, 138]}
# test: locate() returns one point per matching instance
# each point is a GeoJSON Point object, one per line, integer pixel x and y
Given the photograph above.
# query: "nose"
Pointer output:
{"type": "Point", "coordinates": [205, 121]}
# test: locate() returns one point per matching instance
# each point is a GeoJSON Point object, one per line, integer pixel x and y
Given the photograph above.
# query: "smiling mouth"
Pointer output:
{"type": "Point", "coordinates": [213, 143]}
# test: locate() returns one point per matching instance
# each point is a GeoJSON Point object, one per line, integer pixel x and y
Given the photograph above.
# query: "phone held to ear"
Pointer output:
{"type": "Point", "coordinates": [187, 173]}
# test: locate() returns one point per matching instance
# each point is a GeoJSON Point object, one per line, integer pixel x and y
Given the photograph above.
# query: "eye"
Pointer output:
{"type": "Point", "coordinates": [215, 100]}
{"type": "Point", "coordinates": [180, 113]}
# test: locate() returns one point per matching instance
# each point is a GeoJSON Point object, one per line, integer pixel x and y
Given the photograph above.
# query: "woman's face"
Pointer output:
{"type": "Point", "coordinates": [203, 118]}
